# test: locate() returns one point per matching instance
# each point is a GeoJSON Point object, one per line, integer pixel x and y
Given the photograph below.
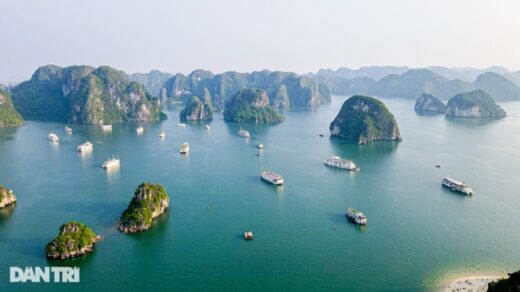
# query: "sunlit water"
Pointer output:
{"type": "Point", "coordinates": [417, 231]}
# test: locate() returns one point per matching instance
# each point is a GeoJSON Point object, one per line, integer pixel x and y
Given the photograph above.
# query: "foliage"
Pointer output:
{"type": "Point", "coordinates": [475, 98]}
{"type": "Point", "coordinates": [251, 105]}
{"type": "Point", "coordinates": [9, 117]}
{"type": "Point", "coordinates": [363, 119]}
{"type": "Point", "coordinates": [73, 237]}
{"type": "Point", "coordinates": [148, 199]}
{"type": "Point", "coordinates": [510, 284]}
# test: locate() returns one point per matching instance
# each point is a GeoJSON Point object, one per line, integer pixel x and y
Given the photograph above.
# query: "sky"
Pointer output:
{"type": "Point", "coordinates": [245, 35]}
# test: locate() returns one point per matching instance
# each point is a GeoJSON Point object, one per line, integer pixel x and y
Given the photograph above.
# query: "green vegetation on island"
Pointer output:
{"type": "Point", "coordinates": [363, 119]}
{"type": "Point", "coordinates": [510, 284]}
{"type": "Point", "coordinates": [75, 239]}
{"type": "Point", "coordinates": [149, 202]}
{"type": "Point", "coordinates": [9, 117]}
{"type": "Point", "coordinates": [84, 94]}
{"type": "Point", "coordinates": [474, 104]}
{"type": "Point", "coordinates": [152, 81]}
{"type": "Point", "coordinates": [284, 88]}
{"type": "Point", "coordinates": [197, 110]}
{"type": "Point", "coordinates": [251, 105]}
{"type": "Point", "coordinates": [429, 103]}
{"type": "Point", "coordinates": [7, 197]}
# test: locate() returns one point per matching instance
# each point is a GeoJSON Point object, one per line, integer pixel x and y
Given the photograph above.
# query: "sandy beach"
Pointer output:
{"type": "Point", "coordinates": [472, 283]}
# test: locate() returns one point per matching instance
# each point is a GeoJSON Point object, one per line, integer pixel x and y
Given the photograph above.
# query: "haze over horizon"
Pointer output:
{"type": "Point", "coordinates": [299, 36]}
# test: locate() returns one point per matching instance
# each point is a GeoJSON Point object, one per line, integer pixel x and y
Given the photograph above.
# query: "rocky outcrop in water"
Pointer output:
{"type": "Point", "coordinates": [251, 105]}
{"type": "Point", "coordinates": [197, 110]}
{"type": "Point", "coordinates": [7, 197]}
{"type": "Point", "coordinates": [429, 103]}
{"type": "Point", "coordinates": [474, 104]}
{"type": "Point", "coordinates": [149, 202]}
{"type": "Point", "coordinates": [84, 94]}
{"type": "Point", "coordinates": [75, 239]}
{"type": "Point", "coordinates": [363, 119]}
{"type": "Point", "coordinates": [9, 117]}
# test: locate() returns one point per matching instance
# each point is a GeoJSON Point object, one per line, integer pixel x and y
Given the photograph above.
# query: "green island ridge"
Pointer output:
{"type": "Point", "coordinates": [284, 88]}
{"type": "Point", "coordinates": [363, 119]}
{"type": "Point", "coordinates": [75, 239]}
{"type": "Point", "coordinates": [197, 110]}
{"type": "Point", "coordinates": [474, 104]}
{"type": "Point", "coordinates": [7, 197]}
{"type": "Point", "coordinates": [149, 202]}
{"type": "Point", "coordinates": [251, 105]}
{"type": "Point", "coordinates": [429, 103]}
{"type": "Point", "coordinates": [510, 284]}
{"type": "Point", "coordinates": [84, 94]}
{"type": "Point", "coordinates": [9, 117]}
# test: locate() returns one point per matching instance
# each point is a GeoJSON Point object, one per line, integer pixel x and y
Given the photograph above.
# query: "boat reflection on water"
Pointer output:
{"type": "Point", "coordinates": [113, 173]}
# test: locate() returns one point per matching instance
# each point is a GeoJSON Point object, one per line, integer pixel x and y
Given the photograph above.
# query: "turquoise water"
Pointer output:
{"type": "Point", "coordinates": [417, 232]}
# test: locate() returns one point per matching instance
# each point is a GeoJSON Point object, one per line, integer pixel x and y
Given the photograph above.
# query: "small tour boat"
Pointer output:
{"type": "Point", "coordinates": [185, 148]}
{"type": "Point", "coordinates": [53, 138]}
{"type": "Point", "coordinates": [248, 235]}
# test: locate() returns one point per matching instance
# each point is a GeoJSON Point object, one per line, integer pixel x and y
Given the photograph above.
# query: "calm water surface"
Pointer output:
{"type": "Point", "coordinates": [417, 232]}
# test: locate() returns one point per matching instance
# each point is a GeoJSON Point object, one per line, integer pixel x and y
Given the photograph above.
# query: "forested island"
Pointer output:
{"type": "Point", "coordinates": [149, 202]}
{"type": "Point", "coordinates": [9, 117]}
{"type": "Point", "coordinates": [84, 94]}
{"type": "Point", "coordinates": [474, 104]}
{"type": "Point", "coordinates": [363, 119]}
{"type": "Point", "coordinates": [75, 239]}
{"type": "Point", "coordinates": [251, 105]}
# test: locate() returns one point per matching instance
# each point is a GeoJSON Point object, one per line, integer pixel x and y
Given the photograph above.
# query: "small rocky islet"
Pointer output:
{"type": "Point", "coordinates": [197, 110]}
{"type": "Point", "coordinates": [253, 106]}
{"type": "Point", "coordinates": [75, 239]}
{"type": "Point", "coordinates": [149, 202]}
{"type": "Point", "coordinates": [364, 119]}
{"type": "Point", "coordinates": [429, 103]}
{"type": "Point", "coordinates": [474, 104]}
{"type": "Point", "coordinates": [7, 197]}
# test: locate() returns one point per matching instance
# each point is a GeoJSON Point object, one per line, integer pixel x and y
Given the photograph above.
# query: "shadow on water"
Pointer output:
{"type": "Point", "coordinates": [472, 122]}
{"type": "Point", "coordinates": [8, 134]}
{"type": "Point", "coordinates": [155, 233]}
{"type": "Point", "coordinates": [428, 114]}
{"type": "Point", "coordinates": [343, 147]}
{"type": "Point", "coordinates": [6, 213]}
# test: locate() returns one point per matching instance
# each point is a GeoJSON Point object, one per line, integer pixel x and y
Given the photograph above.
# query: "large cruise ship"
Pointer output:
{"type": "Point", "coordinates": [111, 162]}
{"type": "Point", "coordinates": [53, 138]}
{"type": "Point", "coordinates": [139, 130]}
{"type": "Point", "coordinates": [356, 216]}
{"type": "Point", "coordinates": [272, 177]}
{"type": "Point", "coordinates": [244, 133]}
{"type": "Point", "coordinates": [338, 162]}
{"type": "Point", "coordinates": [85, 147]}
{"type": "Point", "coordinates": [457, 186]}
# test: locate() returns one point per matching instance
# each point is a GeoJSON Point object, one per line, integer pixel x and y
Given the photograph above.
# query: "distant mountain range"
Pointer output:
{"type": "Point", "coordinates": [437, 81]}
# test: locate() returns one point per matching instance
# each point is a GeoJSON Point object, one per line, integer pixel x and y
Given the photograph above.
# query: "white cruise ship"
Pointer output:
{"type": "Point", "coordinates": [181, 125]}
{"type": "Point", "coordinates": [106, 127]}
{"type": "Point", "coordinates": [111, 162]}
{"type": "Point", "coordinates": [338, 162]}
{"type": "Point", "coordinates": [244, 133]}
{"type": "Point", "coordinates": [162, 135]}
{"type": "Point", "coordinates": [457, 186]}
{"type": "Point", "coordinates": [85, 147]}
{"type": "Point", "coordinates": [139, 130]}
{"type": "Point", "coordinates": [356, 216]}
{"type": "Point", "coordinates": [68, 130]}
{"type": "Point", "coordinates": [272, 177]}
{"type": "Point", "coordinates": [53, 138]}
{"type": "Point", "coordinates": [207, 127]}
{"type": "Point", "coordinates": [185, 148]}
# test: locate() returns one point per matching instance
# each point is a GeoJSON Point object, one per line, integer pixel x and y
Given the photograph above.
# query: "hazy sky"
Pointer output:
{"type": "Point", "coordinates": [246, 35]}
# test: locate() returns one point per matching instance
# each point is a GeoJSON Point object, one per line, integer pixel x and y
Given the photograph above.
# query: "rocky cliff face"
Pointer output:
{"type": "Point", "coordinates": [251, 105]}
{"type": "Point", "coordinates": [429, 103]}
{"type": "Point", "coordinates": [149, 202]}
{"type": "Point", "coordinates": [474, 104]}
{"type": "Point", "coordinates": [7, 197]}
{"type": "Point", "coordinates": [9, 117]}
{"type": "Point", "coordinates": [283, 88]}
{"type": "Point", "coordinates": [83, 94]}
{"type": "Point", "coordinates": [152, 81]}
{"type": "Point", "coordinates": [363, 119]}
{"type": "Point", "coordinates": [197, 110]}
